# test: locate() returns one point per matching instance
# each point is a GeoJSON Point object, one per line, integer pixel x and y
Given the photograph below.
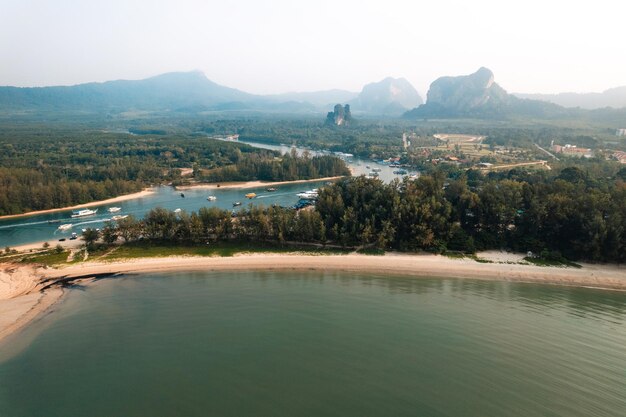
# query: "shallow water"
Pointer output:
{"type": "Point", "coordinates": [319, 344]}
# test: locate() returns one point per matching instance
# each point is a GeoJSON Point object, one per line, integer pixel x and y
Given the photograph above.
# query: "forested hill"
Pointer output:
{"type": "Point", "coordinates": [167, 91]}
{"type": "Point", "coordinates": [192, 92]}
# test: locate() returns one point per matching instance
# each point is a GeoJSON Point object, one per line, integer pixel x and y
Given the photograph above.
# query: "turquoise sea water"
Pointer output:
{"type": "Point", "coordinates": [319, 344]}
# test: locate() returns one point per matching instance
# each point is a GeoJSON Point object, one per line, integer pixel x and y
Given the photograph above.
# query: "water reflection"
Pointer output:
{"type": "Point", "coordinates": [543, 299]}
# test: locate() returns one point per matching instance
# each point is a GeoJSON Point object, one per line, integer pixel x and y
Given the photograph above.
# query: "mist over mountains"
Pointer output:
{"type": "Point", "coordinates": [475, 95]}
{"type": "Point", "coordinates": [194, 92]}
{"type": "Point", "coordinates": [614, 97]}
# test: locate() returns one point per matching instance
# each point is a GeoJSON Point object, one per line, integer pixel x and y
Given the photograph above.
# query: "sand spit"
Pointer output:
{"type": "Point", "coordinates": [252, 184]}
{"type": "Point", "coordinates": [21, 300]}
{"type": "Point", "coordinates": [125, 197]}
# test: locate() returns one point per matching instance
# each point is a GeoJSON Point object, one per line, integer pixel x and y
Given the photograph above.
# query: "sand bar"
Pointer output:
{"type": "Point", "coordinates": [140, 194]}
{"type": "Point", "coordinates": [601, 276]}
{"type": "Point", "coordinates": [21, 301]}
{"type": "Point", "coordinates": [252, 184]}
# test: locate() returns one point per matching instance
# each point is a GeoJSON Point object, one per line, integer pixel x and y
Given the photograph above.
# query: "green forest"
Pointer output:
{"type": "Point", "coordinates": [290, 167]}
{"type": "Point", "coordinates": [42, 169]}
{"type": "Point", "coordinates": [570, 214]}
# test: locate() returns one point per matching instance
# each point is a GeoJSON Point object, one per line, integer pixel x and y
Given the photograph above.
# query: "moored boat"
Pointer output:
{"type": "Point", "coordinates": [211, 198]}
{"type": "Point", "coordinates": [84, 212]}
{"type": "Point", "coordinates": [114, 209]}
{"type": "Point", "coordinates": [250, 195]}
{"type": "Point", "coordinates": [271, 189]}
{"type": "Point", "coordinates": [308, 195]}
{"type": "Point", "coordinates": [236, 203]}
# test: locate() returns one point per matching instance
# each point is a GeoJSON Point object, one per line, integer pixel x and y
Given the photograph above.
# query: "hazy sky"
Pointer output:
{"type": "Point", "coordinates": [287, 45]}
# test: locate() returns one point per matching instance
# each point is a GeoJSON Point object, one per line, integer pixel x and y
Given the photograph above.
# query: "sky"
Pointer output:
{"type": "Point", "coordinates": [263, 47]}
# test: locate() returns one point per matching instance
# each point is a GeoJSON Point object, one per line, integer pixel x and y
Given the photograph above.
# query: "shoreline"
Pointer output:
{"type": "Point", "coordinates": [252, 184]}
{"type": "Point", "coordinates": [125, 197]}
{"type": "Point", "coordinates": [419, 266]}
{"type": "Point", "coordinates": [22, 304]}
{"type": "Point", "coordinates": [148, 191]}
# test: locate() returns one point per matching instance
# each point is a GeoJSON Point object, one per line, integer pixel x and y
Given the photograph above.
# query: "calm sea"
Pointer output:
{"type": "Point", "coordinates": [319, 344]}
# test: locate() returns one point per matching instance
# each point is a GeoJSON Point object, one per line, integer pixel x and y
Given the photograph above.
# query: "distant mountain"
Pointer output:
{"type": "Point", "coordinates": [391, 96]}
{"type": "Point", "coordinates": [193, 92]}
{"type": "Point", "coordinates": [614, 97]}
{"type": "Point", "coordinates": [164, 92]}
{"type": "Point", "coordinates": [320, 99]}
{"type": "Point", "coordinates": [478, 95]}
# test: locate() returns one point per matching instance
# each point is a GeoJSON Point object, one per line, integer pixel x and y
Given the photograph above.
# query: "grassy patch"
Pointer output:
{"type": "Point", "coordinates": [49, 258]}
{"type": "Point", "coordinates": [454, 255]}
{"type": "Point", "coordinates": [549, 262]}
{"type": "Point", "coordinates": [371, 251]}
{"type": "Point", "coordinates": [482, 260]}
{"type": "Point", "coordinates": [157, 250]}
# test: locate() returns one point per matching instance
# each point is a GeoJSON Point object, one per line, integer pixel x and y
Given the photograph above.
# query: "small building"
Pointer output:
{"type": "Point", "coordinates": [572, 150]}
{"type": "Point", "coordinates": [620, 132]}
{"type": "Point", "coordinates": [620, 156]}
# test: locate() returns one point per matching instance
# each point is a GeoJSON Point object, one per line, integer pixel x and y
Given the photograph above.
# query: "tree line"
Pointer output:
{"type": "Point", "coordinates": [289, 167]}
{"type": "Point", "coordinates": [43, 169]}
{"type": "Point", "coordinates": [566, 214]}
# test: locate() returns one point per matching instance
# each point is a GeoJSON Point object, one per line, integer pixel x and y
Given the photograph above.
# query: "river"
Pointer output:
{"type": "Point", "coordinates": [38, 228]}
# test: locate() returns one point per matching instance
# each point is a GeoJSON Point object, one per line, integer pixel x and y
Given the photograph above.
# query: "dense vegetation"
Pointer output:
{"type": "Point", "coordinates": [572, 213]}
{"type": "Point", "coordinates": [575, 210]}
{"type": "Point", "coordinates": [575, 213]}
{"type": "Point", "coordinates": [382, 139]}
{"type": "Point", "coordinates": [290, 167]}
{"type": "Point", "coordinates": [42, 169]}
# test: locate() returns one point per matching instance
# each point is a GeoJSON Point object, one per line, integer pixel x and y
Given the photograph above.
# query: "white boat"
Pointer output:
{"type": "Point", "coordinates": [178, 210]}
{"type": "Point", "coordinates": [116, 218]}
{"type": "Point", "coordinates": [64, 227]}
{"type": "Point", "coordinates": [211, 198]}
{"type": "Point", "coordinates": [308, 195]}
{"type": "Point", "coordinates": [84, 212]}
{"type": "Point", "coordinates": [114, 209]}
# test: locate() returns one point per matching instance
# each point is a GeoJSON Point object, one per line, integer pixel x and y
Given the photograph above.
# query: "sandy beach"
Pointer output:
{"type": "Point", "coordinates": [125, 197]}
{"type": "Point", "coordinates": [21, 300]}
{"type": "Point", "coordinates": [252, 184]}
{"type": "Point", "coordinates": [601, 276]}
